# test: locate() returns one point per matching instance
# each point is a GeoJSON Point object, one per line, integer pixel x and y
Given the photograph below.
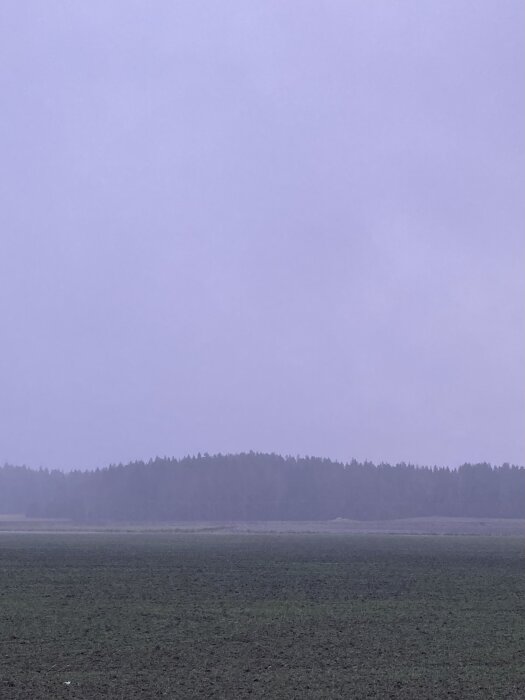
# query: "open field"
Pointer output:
{"type": "Point", "coordinates": [196, 615]}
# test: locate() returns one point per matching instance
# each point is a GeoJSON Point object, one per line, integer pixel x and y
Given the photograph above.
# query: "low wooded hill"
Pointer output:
{"type": "Point", "coordinates": [253, 486]}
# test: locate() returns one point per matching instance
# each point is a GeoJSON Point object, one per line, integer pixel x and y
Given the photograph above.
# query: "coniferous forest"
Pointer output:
{"type": "Point", "coordinates": [254, 486]}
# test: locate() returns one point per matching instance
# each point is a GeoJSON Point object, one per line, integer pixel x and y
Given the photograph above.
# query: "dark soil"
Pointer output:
{"type": "Point", "coordinates": [129, 616]}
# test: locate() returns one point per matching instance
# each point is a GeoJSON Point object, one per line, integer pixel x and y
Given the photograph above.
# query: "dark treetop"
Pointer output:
{"type": "Point", "coordinates": [253, 486]}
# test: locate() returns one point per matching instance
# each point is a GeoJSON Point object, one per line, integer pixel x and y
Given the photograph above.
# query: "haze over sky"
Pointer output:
{"type": "Point", "coordinates": [285, 226]}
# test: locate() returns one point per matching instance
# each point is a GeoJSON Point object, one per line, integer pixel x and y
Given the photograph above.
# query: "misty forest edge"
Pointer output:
{"type": "Point", "coordinates": [255, 486]}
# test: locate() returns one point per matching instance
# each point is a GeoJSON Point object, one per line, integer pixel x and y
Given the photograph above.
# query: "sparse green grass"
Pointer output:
{"type": "Point", "coordinates": [128, 616]}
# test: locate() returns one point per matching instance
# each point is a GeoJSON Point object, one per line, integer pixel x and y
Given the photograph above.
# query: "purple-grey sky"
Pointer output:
{"type": "Point", "coordinates": [287, 226]}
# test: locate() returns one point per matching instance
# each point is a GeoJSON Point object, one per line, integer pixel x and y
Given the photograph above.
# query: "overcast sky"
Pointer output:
{"type": "Point", "coordinates": [284, 225]}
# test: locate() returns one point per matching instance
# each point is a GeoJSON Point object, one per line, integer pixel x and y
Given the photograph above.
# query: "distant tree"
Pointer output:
{"type": "Point", "coordinates": [253, 486]}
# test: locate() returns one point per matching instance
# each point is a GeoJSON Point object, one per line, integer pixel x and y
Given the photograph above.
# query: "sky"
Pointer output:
{"type": "Point", "coordinates": [286, 226]}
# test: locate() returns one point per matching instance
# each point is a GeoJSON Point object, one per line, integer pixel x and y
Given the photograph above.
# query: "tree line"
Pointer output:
{"type": "Point", "coordinates": [255, 486]}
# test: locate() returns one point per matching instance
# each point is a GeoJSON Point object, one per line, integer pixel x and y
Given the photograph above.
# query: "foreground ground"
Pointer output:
{"type": "Point", "coordinates": [149, 615]}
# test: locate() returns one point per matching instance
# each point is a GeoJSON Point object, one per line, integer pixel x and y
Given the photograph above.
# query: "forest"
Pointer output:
{"type": "Point", "coordinates": [254, 486]}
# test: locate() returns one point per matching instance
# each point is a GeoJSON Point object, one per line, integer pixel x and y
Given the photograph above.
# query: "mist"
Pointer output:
{"type": "Point", "coordinates": [240, 226]}
{"type": "Point", "coordinates": [260, 487]}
